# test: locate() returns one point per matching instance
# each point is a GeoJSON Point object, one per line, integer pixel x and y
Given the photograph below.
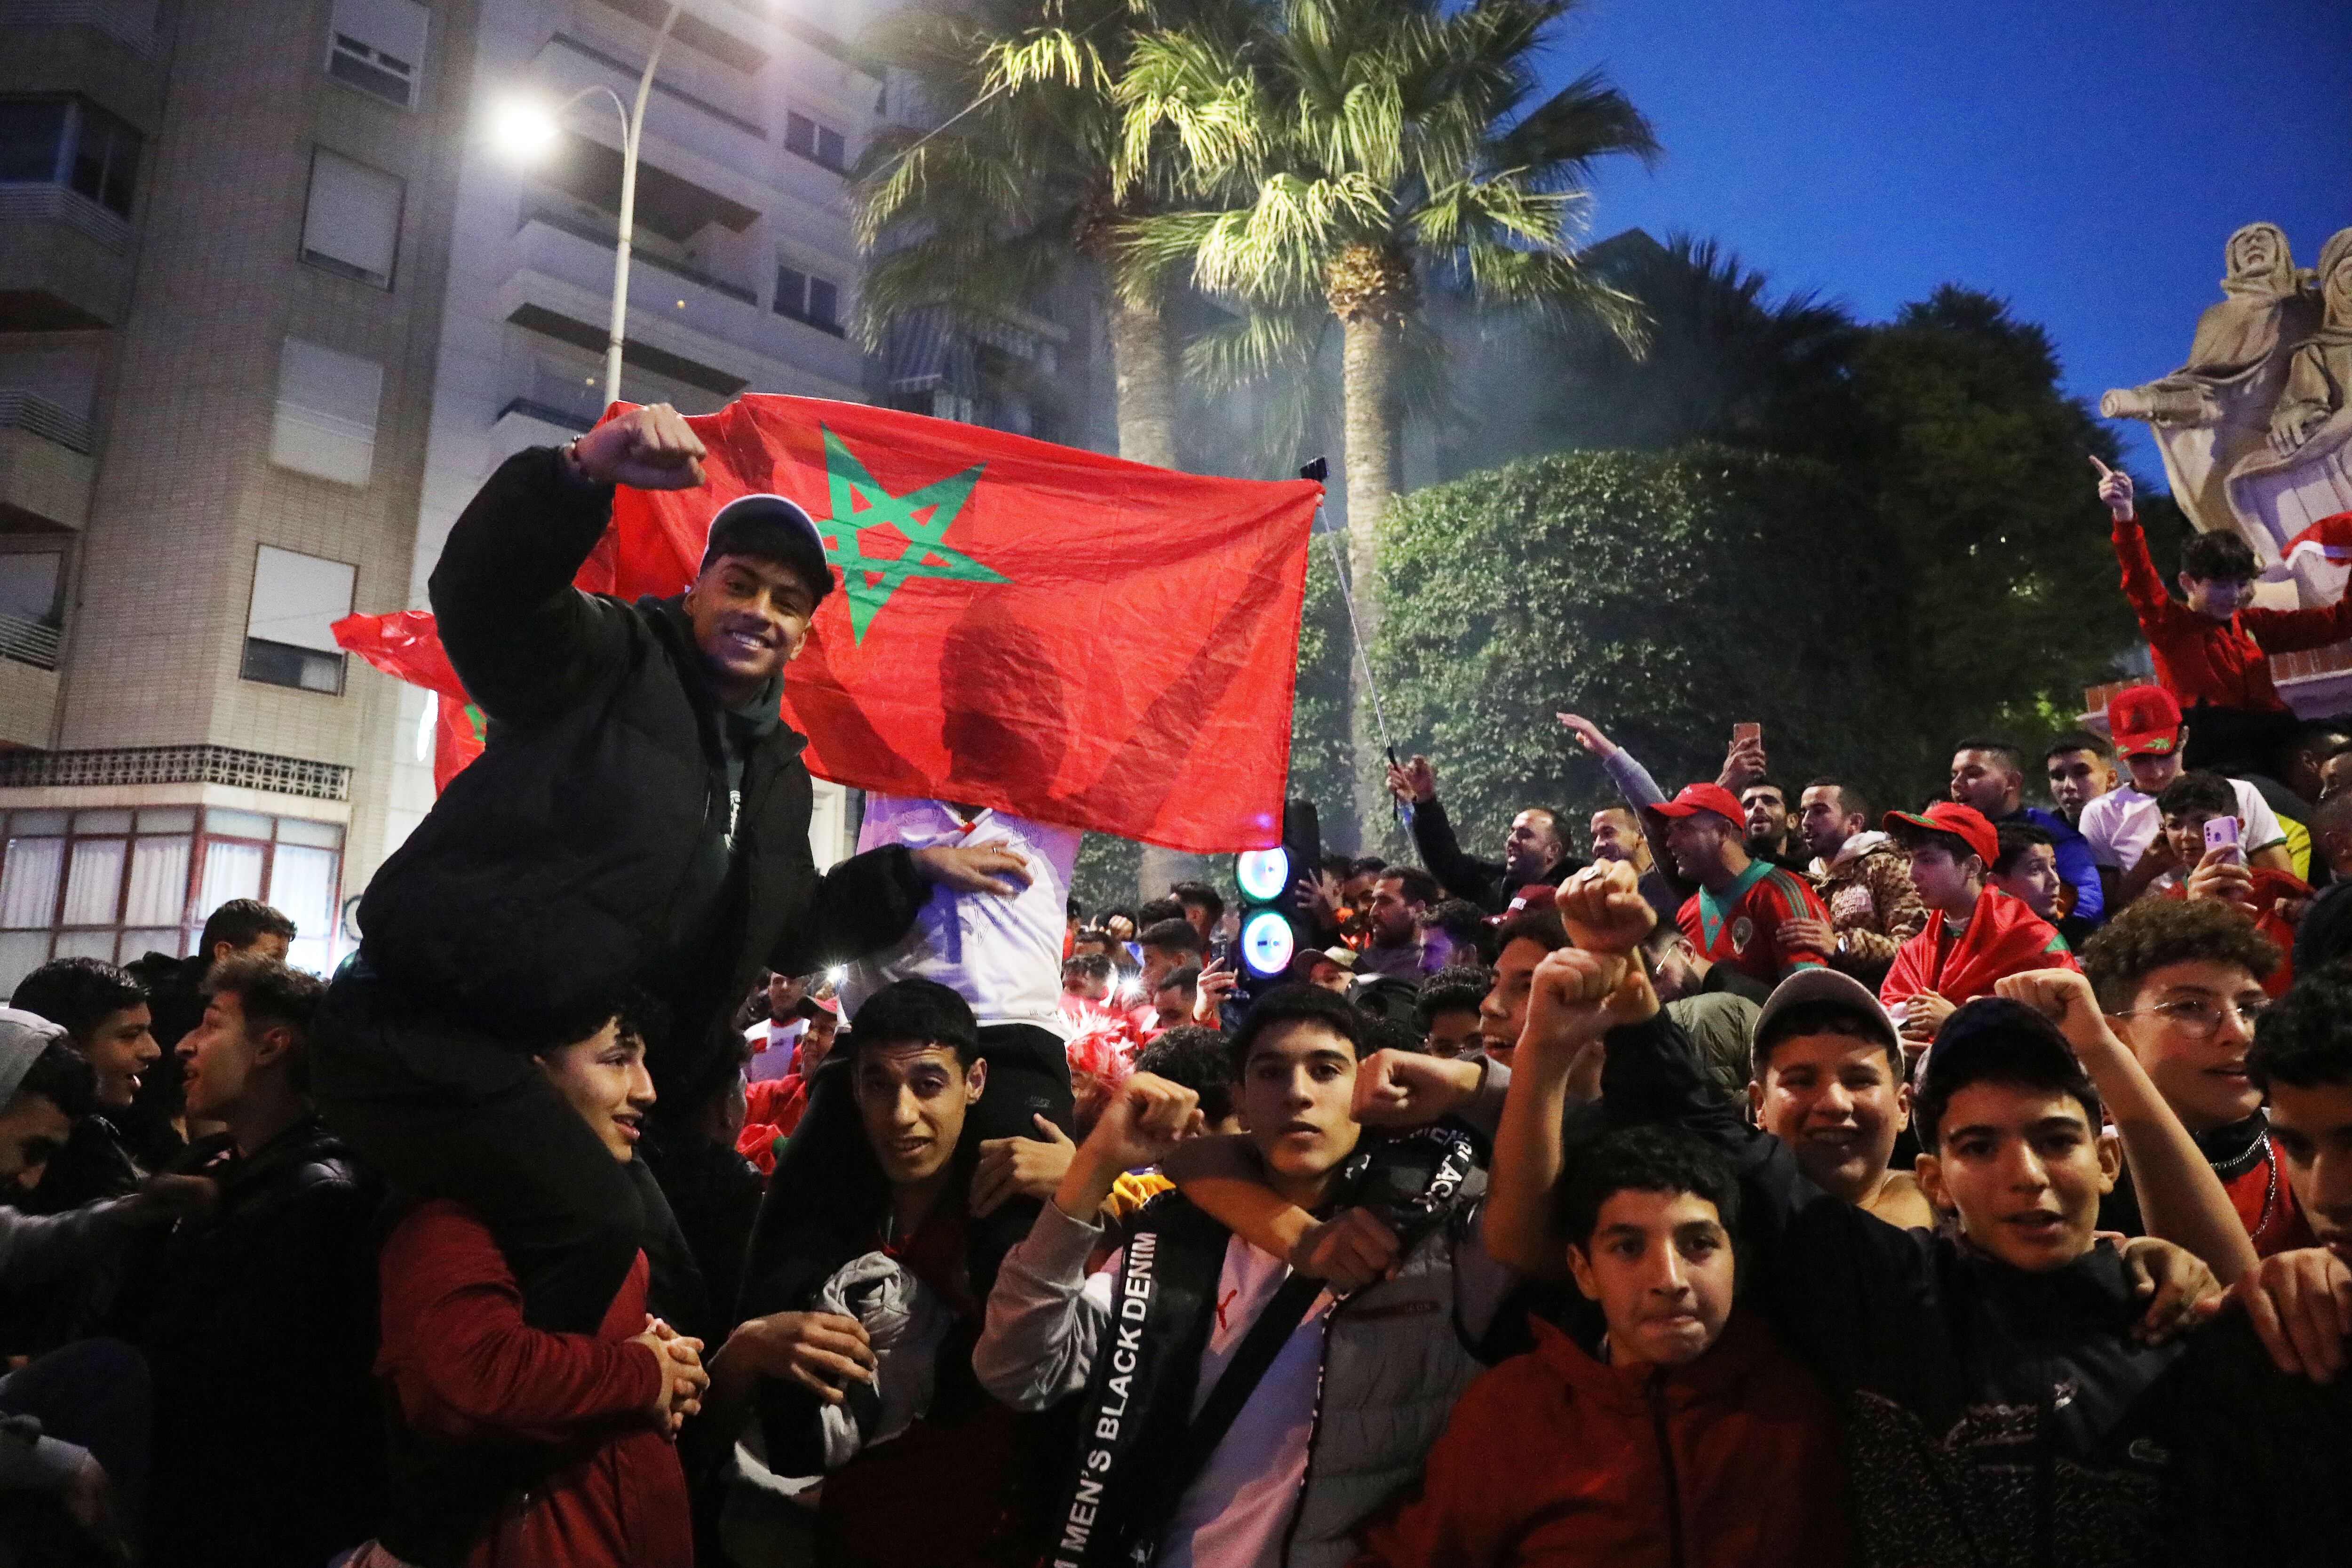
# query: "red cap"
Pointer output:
{"type": "Point", "coordinates": [1711, 797]}
{"type": "Point", "coordinates": [1965, 823]}
{"type": "Point", "coordinates": [2145, 720]}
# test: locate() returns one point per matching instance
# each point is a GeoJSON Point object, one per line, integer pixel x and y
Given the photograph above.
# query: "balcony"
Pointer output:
{"type": "Point", "coordinates": [681, 325]}
{"type": "Point", "coordinates": [64, 261]}
{"type": "Point", "coordinates": [127, 22]}
{"type": "Point", "coordinates": [45, 469]}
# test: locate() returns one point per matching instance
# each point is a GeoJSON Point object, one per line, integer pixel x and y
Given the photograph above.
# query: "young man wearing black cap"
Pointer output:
{"type": "Point", "coordinates": [639, 819]}
{"type": "Point", "coordinates": [2001, 1399]}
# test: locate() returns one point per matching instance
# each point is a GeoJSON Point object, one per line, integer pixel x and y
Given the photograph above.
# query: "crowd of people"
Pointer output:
{"type": "Point", "coordinates": [1749, 1175]}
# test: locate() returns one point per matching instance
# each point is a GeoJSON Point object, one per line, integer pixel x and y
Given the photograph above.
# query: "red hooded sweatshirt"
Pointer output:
{"type": "Point", "coordinates": [1553, 1458]}
{"type": "Point", "coordinates": [462, 1364]}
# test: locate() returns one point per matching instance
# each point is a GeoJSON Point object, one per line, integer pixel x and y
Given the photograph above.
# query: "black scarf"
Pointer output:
{"type": "Point", "coordinates": [1139, 1397]}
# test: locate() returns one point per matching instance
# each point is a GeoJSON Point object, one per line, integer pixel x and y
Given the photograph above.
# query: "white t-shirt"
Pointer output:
{"type": "Point", "coordinates": [2122, 824]}
{"type": "Point", "coordinates": [1237, 1510]}
{"type": "Point", "coordinates": [1003, 955]}
{"type": "Point", "coordinates": [771, 1047]}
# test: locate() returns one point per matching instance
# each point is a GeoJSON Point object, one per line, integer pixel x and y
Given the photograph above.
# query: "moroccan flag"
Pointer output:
{"type": "Point", "coordinates": [405, 646]}
{"type": "Point", "coordinates": [1086, 641]}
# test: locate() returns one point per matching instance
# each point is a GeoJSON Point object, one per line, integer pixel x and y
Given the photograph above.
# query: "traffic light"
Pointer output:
{"type": "Point", "coordinates": [1269, 880]}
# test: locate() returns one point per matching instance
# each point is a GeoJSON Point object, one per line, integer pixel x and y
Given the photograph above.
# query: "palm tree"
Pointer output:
{"type": "Point", "coordinates": [1011, 193]}
{"type": "Point", "coordinates": [1351, 155]}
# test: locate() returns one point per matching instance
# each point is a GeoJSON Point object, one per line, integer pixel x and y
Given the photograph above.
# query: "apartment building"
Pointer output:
{"type": "Point", "coordinates": [223, 238]}
{"type": "Point", "coordinates": [276, 296]}
{"type": "Point", "coordinates": [744, 268]}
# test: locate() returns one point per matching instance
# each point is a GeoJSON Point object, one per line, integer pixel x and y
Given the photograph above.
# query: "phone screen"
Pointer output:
{"type": "Point", "coordinates": [1747, 732]}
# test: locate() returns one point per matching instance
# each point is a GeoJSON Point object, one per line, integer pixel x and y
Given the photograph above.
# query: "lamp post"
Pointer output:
{"type": "Point", "coordinates": [531, 129]}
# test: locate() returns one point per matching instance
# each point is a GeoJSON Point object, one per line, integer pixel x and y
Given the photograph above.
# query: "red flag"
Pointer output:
{"type": "Point", "coordinates": [2330, 537]}
{"type": "Point", "coordinates": [1083, 640]}
{"type": "Point", "coordinates": [405, 647]}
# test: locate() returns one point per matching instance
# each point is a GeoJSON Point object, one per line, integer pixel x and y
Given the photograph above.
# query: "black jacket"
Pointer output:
{"type": "Point", "coordinates": [1482, 882]}
{"type": "Point", "coordinates": [554, 868]}
{"type": "Point", "coordinates": [1993, 1416]}
{"type": "Point", "coordinates": [258, 1323]}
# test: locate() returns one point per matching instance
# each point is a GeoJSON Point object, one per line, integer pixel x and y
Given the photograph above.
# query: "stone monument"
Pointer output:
{"type": "Point", "coordinates": [2255, 429]}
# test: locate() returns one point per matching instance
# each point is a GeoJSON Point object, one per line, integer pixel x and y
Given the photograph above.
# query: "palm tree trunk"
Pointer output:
{"type": "Point", "coordinates": [1367, 383]}
{"type": "Point", "coordinates": [1143, 367]}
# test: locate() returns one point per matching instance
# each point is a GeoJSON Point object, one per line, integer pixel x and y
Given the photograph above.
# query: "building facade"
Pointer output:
{"type": "Point", "coordinates": [274, 301]}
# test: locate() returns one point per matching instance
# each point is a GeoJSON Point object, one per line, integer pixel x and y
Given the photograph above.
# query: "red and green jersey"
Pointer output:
{"type": "Point", "coordinates": [1742, 926]}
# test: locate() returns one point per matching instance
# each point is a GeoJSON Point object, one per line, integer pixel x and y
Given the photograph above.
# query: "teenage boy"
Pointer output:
{"type": "Point", "coordinates": [1828, 1081]}
{"type": "Point", "coordinates": [282, 1272]}
{"type": "Point", "coordinates": [1863, 882]}
{"type": "Point", "coordinates": [1234, 1412]}
{"type": "Point", "coordinates": [1447, 1008]}
{"type": "Point", "coordinates": [2080, 772]}
{"type": "Point", "coordinates": [2263, 1476]}
{"type": "Point", "coordinates": [1990, 774]}
{"type": "Point", "coordinates": [863, 1368]}
{"type": "Point", "coordinates": [2027, 869]}
{"type": "Point", "coordinates": [2268, 895]}
{"type": "Point", "coordinates": [2216, 648]}
{"type": "Point", "coordinates": [104, 1011]}
{"type": "Point", "coordinates": [1742, 906]}
{"type": "Point", "coordinates": [1998, 1405]}
{"type": "Point", "coordinates": [2125, 827]}
{"type": "Point", "coordinates": [2180, 980]}
{"type": "Point", "coordinates": [1973, 936]}
{"type": "Point", "coordinates": [1688, 1435]}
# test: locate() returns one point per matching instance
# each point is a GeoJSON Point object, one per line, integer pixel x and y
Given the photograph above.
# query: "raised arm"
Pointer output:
{"type": "Point", "coordinates": [1634, 786]}
{"type": "Point", "coordinates": [2180, 1198]}
{"type": "Point", "coordinates": [1415, 782]}
{"type": "Point", "coordinates": [523, 639]}
{"type": "Point", "coordinates": [1043, 1326]}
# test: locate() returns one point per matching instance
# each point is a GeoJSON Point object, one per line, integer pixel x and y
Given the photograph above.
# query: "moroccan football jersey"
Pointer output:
{"type": "Point", "coordinates": [1742, 926]}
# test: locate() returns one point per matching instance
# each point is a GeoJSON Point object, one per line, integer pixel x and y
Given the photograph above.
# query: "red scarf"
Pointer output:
{"type": "Point", "coordinates": [2002, 938]}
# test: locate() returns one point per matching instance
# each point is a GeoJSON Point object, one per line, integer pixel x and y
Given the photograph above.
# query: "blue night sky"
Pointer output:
{"type": "Point", "coordinates": [2084, 159]}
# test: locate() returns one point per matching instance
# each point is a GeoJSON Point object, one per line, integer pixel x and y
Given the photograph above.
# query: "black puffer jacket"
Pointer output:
{"type": "Point", "coordinates": [555, 867]}
{"type": "Point", "coordinates": [258, 1323]}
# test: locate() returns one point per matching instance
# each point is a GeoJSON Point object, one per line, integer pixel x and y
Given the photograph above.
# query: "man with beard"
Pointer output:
{"type": "Point", "coordinates": [1743, 906]}
{"type": "Point", "coordinates": [1771, 825]}
{"type": "Point", "coordinates": [1864, 880]}
{"type": "Point", "coordinates": [1535, 851]}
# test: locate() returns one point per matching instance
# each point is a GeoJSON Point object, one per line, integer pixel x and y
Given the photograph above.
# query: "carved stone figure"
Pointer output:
{"type": "Point", "coordinates": [2253, 429]}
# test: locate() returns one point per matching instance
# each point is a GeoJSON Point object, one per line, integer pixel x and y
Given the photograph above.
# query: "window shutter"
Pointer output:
{"type": "Point", "coordinates": [378, 47]}
{"type": "Point", "coordinates": [353, 223]}
{"type": "Point", "coordinates": [326, 413]}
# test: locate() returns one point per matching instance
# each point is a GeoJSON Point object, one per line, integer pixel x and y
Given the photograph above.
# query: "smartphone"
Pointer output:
{"type": "Point", "coordinates": [2222, 832]}
{"type": "Point", "coordinates": [1740, 733]}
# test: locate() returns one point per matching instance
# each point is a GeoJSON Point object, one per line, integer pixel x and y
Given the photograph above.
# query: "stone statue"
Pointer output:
{"type": "Point", "coordinates": [2264, 305]}
{"type": "Point", "coordinates": [2322, 366]}
{"type": "Point", "coordinates": [2254, 428]}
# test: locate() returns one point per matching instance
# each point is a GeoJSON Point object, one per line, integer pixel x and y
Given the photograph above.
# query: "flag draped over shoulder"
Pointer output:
{"type": "Point", "coordinates": [1086, 641]}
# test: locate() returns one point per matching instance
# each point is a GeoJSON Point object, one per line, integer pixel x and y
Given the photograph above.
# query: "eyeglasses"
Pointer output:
{"type": "Point", "coordinates": [2200, 1019]}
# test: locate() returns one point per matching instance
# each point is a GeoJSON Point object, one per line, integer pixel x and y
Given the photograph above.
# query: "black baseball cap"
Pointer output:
{"type": "Point", "coordinates": [770, 528]}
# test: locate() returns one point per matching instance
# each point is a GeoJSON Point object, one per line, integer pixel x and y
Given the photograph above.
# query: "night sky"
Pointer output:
{"type": "Point", "coordinates": [2084, 159]}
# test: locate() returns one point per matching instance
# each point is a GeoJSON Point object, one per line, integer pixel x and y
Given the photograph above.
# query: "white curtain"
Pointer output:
{"type": "Point", "coordinates": [302, 887]}
{"type": "Point", "coordinates": [159, 882]}
{"type": "Point", "coordinates": [28, 887]}
{"type": "Point", "coordinates": [231, 871]}
{"type": "Point", "coordinates": [94, 882]}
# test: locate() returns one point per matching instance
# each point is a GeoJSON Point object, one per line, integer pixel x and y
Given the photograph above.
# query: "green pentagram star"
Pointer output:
{"type": "Point", "coordinates": [859, 502]}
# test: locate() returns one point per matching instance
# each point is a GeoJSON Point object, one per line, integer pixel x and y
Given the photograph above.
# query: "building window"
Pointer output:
{"type": "Point", "coordinates": [73, 142]}
{"type": "Point", "coordinates": [351, 225]}
{"type": "Point", "coordinates": [816, 142]}
{"type": "Point", "coordinates": [326, 413]}
{"type": "Point", "coordinates": [378, 47]}
{"type": "Point", "coordinates": [290, 636]}
{"type": "Point", "coordinates": [806, 297]}
{"type": "Point", "coordinates": [118, 884]}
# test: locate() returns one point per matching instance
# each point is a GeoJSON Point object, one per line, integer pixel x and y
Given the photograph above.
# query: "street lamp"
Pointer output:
{"type": "Point", "coordinates": [528, 131]}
